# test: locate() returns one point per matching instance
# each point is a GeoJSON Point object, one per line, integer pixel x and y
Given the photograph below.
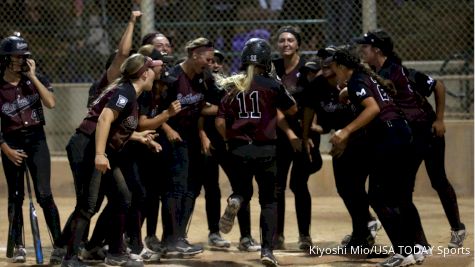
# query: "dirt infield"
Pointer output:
{"type": "Point", "coordinates": [330, 222]}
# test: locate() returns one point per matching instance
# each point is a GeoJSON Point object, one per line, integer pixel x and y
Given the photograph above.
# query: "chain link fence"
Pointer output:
{"type": "Point", "coordinates": [72, 39]}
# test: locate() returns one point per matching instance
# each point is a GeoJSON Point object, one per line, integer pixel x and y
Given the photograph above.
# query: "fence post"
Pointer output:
{"type": "Point", "coordinates": [369, 15]}
{"type": "Point", "coordinates": [148, 17]}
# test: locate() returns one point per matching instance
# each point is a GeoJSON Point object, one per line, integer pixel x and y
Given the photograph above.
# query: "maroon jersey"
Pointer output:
{"type": "Point", "coordinates": [292, 84]}
{"type": "Point", "coordinates": [192, 97]}
{"type": "Point", "coordinates": [123, 99]}
{"type": "Point", "coordinates": [405, 98]}
{"type": "Point", "coordinates": [360, 86]}
{"type": "Point", "coordinates": [88, 125]}
{"type": "Point", "coordinates": [21, 104]}
{"type": "Point", "coordinates": [96, 89]}
{"type": "Point", "coordinates": [252, 115]}
{"type": "Point", "coordinates": [289, 79]}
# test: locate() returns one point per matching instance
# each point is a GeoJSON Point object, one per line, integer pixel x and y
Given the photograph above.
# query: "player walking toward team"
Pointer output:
{"type": "Point", "coordinates": [289, 146]}
{"type": "Point", "coordinates": [23, 93]}
{"type": "Point", "coordinates": [389, 136]}
{"type": "Point", "coordinates": [376, 48]}
{"type": "Point", "coordinates": [247, 120]}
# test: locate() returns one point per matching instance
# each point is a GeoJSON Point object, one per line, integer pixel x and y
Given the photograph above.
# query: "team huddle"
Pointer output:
{"type": "Point", "coordinates": [157, 131]}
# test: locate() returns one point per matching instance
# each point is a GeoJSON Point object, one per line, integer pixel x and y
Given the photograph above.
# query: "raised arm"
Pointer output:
{"type": "Point", "coordinates": [125, 45]}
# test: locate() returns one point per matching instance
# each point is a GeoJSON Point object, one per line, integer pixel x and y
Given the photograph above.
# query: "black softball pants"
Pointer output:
{"type": "Point", "coordinates": [299, 175]}
{"type": "Point", "coordinates": [260, 162]}
{"type": "Point", "coordinates": [389, 182]}
{"type": "Point", "coordinates": [351, 171]}
{"type": "Point", "coordinates": [33, 143]}
{"type": "Point", "coordinates": [431, 149]}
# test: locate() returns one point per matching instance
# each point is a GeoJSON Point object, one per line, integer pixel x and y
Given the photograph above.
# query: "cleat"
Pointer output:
{"type": "Point", "coordinates": [215, 240]}
{"type": "Point", "coordinates": [248, 244]}
{"type": "Point", "coordinates": [227, 220]}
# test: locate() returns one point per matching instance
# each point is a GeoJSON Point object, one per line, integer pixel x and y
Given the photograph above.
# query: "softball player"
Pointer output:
{"type": "Point", "coordinates": [247, 120]}
{"type": "Point", "coordinates": [181, 135]}
{"type": "Point", "coordinates": [23, 93]}
{"type": "Point", "coordinates": [377, 50]}
{"type": "Point", "coordinates": [114, 114]}
{"type": "Point", "coordinates": [162, 44]}
{"type": "Point", "coordinates": [390, 137]}
{"type": "Point", "coordinates": [350, 168]}
{"type": "Point", "coordinates": [289, 146]}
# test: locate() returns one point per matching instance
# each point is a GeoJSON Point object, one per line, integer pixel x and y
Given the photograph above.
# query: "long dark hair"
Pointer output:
{"type": "Point", "coordinates": [343, 57]}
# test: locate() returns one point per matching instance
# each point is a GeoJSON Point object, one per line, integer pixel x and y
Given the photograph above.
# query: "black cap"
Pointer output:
{"type": "Point", "coordinates": [379, 39]}
{"type": "Point", "coordinates": [312, 65]}
{"type": "Point", "coordinates": [326, 52]}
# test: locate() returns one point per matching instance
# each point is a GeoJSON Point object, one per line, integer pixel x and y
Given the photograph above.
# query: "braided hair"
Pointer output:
{"type": "Point", "coordinates": [343, 57]}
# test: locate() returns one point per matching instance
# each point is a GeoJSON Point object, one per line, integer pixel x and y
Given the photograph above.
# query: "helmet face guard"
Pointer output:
{"type": "Point", "coordinates": [256, 51]}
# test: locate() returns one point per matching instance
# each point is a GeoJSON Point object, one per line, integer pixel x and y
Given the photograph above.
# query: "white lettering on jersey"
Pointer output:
{"type": "Point", "coordinates": [361, 93]}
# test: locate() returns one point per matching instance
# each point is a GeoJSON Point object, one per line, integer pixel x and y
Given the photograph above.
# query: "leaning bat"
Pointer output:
{"type": "Point", "coordinates": [34, 222]}
{"type": "Point", "coordinates": [10, 242]}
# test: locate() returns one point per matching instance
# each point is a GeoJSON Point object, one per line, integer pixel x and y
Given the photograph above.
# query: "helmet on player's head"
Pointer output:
{"type": "Point", "coordinates": [256, 51]}
{"type": "Point", "coordinates": [14, 45]}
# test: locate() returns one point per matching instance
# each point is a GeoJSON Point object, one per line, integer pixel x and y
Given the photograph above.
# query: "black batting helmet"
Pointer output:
{"type": "Point", "coordinates": [256, 51]}
{"type": "Point", "coordinates": [14, 45]}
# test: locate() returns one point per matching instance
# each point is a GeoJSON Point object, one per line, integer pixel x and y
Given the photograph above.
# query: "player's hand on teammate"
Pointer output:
{"type": "Point", "coordinates": [15, 155]}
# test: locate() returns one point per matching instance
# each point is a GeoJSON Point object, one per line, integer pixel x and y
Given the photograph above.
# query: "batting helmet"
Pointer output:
{"type": "Point", "coordinates": [14, 45]}
{"type": "Point", "coordinates": [256, 52]}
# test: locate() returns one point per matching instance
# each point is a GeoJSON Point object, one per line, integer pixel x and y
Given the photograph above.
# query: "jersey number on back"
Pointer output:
{"type": "Point", "coordinates": [243, 112]}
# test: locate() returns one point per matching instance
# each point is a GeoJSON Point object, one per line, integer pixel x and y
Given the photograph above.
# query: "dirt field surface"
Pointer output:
{"type": "Point", "coordinates": [330, 223]}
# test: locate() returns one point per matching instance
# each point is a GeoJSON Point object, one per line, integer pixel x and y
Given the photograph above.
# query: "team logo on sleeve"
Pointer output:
{"type": "Point", "coordinates": [122, 101]}
{"type": "Point", "coordinates": [429, 80]}
{"type": "Point", "coordinates": [362, 92]}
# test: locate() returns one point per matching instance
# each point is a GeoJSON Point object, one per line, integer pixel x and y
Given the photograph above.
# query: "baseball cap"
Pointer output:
{"type": "Point", "coordinates": [312, 65]}
{"type": "Point", "coordinates": [379, 39]}
{"type": "Point", "coordinates": [326, 54]}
